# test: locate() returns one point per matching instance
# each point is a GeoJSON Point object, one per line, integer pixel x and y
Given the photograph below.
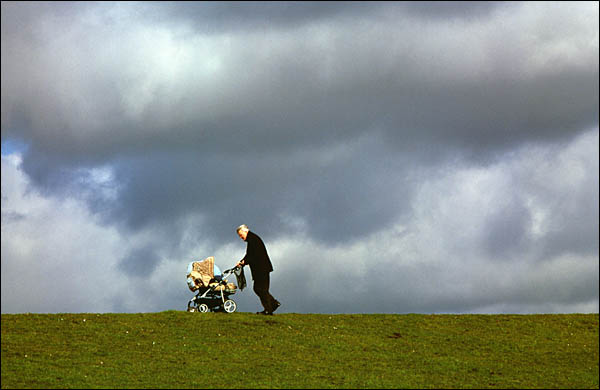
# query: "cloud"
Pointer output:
{"type": "Point", "coordinates": [54, 257]}
{"type": "Point", "coordinates": [477, 241]}
{"type": "Point", "coordinates": [443, 258]}
{"type": "Point", "coordinates": [124, 83]}
{"type": "Point", "coordinates": [170, 124]}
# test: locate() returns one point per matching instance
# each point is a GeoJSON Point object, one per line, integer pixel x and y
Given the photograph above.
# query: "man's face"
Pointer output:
{"type": "Point", "coordinates": [242, 234]}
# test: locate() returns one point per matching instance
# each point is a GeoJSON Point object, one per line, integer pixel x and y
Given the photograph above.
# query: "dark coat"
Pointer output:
{"type": "Point", "coordinates": [257, 257]}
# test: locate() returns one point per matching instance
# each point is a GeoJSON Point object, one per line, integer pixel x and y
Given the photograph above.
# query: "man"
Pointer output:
{"type": "Point", "coordinates": [260, 267]}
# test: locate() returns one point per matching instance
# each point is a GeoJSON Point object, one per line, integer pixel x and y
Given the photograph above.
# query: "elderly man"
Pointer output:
{"type": "Point", "coordinates": [260, 267]}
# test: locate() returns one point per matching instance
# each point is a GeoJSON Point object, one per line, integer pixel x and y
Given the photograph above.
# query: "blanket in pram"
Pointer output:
{"type": "Point", "coordinates": [205, 273]}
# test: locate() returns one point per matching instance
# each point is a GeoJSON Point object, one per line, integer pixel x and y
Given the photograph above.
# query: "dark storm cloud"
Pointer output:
{"type": "Point", "coordinates": [234, 16]}
{"type": "Point", "coordinates": [271, 98]}
{"type": "Point", "coordinates": [355, 83]}
{"type": "Point", "coordinates": [321, 188]}
{"type": "Point", "coordinates": [139, 262]}
{"type": "Point", "coordinates": [449, 9]}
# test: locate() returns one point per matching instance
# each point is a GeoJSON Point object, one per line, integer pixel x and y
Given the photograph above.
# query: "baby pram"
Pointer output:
{"type": "Point", "coordinates": [212, 288]}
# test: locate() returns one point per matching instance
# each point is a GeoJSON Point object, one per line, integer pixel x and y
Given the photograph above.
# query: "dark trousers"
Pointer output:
{"type": "Point", "coordinates": [261, 288]}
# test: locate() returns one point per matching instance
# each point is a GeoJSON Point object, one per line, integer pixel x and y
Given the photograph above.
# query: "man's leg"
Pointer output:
{"type": "Point", "coordinates": [261, 288]}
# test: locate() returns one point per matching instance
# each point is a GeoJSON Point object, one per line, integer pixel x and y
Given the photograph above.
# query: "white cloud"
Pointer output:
{"type": "Point", "coordinates": [55, 257]}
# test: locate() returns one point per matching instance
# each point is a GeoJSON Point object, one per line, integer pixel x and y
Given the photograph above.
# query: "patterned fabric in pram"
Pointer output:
{"type": "Point", "coordinates": [204, 273]}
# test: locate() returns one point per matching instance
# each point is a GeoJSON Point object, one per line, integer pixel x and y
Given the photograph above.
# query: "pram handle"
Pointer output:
{"type": "Point", "coordinates": [232, 269]}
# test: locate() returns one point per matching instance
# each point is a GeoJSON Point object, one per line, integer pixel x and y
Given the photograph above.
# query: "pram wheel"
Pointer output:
{"type": "Point", "coordinates": [191, 306]}
{"type": "Point", "coordinates": [202, 308]}
{"type": "Point", "coordinates": [229, 306]}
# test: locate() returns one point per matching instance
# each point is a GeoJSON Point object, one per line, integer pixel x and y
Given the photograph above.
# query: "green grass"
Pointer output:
{"type": "Point", "coordinates": [175, 349]}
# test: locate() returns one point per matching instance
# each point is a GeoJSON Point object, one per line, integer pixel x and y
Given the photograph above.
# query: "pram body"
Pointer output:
{"type": "Point", "coordinates": [211, 287]}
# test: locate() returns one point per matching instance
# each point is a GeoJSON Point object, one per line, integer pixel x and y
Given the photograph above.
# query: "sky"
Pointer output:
{"type": "Point", "coordinates": [395, 157]}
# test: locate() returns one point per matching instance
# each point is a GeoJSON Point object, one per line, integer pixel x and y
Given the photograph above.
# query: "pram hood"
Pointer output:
{"type": "Point", "coordinates": [201, 273]}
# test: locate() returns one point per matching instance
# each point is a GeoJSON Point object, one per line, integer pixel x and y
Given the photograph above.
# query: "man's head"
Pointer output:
{"type": "Point", "coordinates": [242, 231]}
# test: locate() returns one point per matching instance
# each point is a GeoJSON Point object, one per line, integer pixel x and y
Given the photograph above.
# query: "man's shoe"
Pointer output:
{"type": "Point", "coordinates": [262, 312]}
{"type": "Point", "coordinates": [275, 306]}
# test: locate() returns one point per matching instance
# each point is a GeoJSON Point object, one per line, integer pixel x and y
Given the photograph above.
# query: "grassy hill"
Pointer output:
{"type": "Point", "coordinates": [176, 349]}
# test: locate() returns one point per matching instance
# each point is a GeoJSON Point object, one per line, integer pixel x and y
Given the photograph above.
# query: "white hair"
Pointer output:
{"type": "Point", "coordinates": [243, 228]}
